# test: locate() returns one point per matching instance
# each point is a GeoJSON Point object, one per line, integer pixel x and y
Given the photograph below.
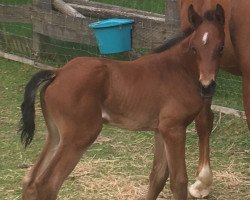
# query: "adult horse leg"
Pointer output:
{"type": "Point", "coordinates": [76, 134]}
{"type": "Point", "coordinates": [159, 173]}
{"type": "Point", "coordinates": [204, 176]}
{"type": "Point", "coordinates": [174, 136]}
{"type": "Point", "coordinates": [245, 65]}
{"type": "Point", "coordinates": [240, 31]}
{"type": "Point", "coordinates": [246, 95]}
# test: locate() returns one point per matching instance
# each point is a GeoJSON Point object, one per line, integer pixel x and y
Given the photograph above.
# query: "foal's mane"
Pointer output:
{"type": "Point", "coordinates": [168, 44]}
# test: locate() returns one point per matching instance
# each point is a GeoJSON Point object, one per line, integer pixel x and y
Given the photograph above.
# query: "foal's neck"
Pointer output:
{"type": "Point", "coordinates": [180, 57]}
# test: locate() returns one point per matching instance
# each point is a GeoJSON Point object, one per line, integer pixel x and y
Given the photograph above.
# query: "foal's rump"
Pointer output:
{"type": "Point", "coordinates": [81, 81]}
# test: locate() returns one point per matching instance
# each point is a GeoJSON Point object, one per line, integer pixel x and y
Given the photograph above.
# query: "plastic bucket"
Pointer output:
{"type": "Point", "coordinates": [113, 35]}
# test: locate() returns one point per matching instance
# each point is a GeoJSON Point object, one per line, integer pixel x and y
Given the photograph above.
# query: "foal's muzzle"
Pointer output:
{"type": "Point", "coordinates": [207, 91]}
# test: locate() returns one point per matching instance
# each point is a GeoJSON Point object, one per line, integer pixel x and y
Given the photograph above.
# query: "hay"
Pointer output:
{"type": "Point", "coordinates": [113, 186]}
{"type": "Point", "coordinates": [228, 178]}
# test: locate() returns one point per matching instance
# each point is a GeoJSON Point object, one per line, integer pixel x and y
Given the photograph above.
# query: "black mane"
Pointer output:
{"type": "Point", "coordinates": [208, 16]}
{"type": "Point", "coordinates": [172, 42]}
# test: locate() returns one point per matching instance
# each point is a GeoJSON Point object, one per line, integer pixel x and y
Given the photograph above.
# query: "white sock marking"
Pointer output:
{"type": "Point", "coordinates": [201, 188]}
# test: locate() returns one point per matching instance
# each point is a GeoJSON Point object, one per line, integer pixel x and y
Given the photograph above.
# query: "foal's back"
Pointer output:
{"type": "Point", "coordinates": [130, 94]}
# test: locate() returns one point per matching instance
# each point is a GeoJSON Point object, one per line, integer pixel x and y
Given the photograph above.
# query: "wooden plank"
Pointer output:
{"type": "Point", "coordinates": [65, 8]}
{"type": "Point", "coordinates": [62, 27]}
{"type": "Point", "coordinates": [102, 6]}
{"type": "Point", "coordinates": [103, 11]}
{"type": "Point", "coordinates": [172, 18]}
{"type": "Point", "coordinates": [20, 14]}
{"type": "Point", "coordinates": [43, 4]}
{"type": "Point", "coordinates": [24, 60]}
{"type": "Point", "coordinates": [149, 29]}
{"type": "Point", "coordinates": [39, 38]}
{"type": "Point", "coordinates": [229, 111]}
{"type": "Point", "coordinates": [147, 33]}
{"type": "Point", "coordinates": [171, 12]}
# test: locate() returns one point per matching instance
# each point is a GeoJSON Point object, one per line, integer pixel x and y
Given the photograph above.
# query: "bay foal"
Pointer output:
{"type": "Point", "coordinates": [235, 60]}
{"type": "Point", "coordinates": [159, 92]}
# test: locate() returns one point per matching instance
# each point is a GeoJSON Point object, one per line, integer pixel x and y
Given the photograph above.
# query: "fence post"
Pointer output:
{"type": "Point", "coordinates": [172, 18]}
{"type": "Point", "coordinates": [38, 38]}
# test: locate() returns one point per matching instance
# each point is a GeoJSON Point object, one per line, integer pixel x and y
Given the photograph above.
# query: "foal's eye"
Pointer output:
{"type": "Point", "coordinates": [193, 50]}
{"type": "Point", "coordinates": [221, 48]}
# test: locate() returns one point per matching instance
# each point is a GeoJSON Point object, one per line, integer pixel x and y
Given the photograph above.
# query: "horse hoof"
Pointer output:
{"type": "Point", "coordinates": [198, 190]}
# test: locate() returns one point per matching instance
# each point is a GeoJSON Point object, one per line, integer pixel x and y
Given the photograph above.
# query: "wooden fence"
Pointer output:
{"type": "Point", "coordinates": [150, 29]}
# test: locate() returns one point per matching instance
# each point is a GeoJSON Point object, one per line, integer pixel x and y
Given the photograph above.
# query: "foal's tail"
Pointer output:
{"type": "Point", "coordinates": [27, 122]}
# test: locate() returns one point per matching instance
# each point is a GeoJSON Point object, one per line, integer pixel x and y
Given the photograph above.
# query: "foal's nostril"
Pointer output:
{"type": "Point", "coordinates": [207, 91]}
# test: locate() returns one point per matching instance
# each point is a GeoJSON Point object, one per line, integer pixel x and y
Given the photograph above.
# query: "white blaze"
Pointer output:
{"type": "Point", "coordinates": [205, 38]}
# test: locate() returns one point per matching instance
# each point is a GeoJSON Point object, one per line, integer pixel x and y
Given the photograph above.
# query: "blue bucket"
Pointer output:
{"type": "Point", "coordinates": [113, 35]}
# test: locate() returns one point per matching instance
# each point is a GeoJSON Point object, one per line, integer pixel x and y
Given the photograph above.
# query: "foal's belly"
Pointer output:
{"type": "Point", "coordinates": [130, 120]}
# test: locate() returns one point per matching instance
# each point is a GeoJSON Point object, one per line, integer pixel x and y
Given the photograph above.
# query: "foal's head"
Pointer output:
{"type": "Point", "coordinates": [206, 43]}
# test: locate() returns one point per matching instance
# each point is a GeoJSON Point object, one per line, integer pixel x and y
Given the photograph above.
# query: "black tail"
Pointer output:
{"type": "Point", "coordinates": [27, 122]}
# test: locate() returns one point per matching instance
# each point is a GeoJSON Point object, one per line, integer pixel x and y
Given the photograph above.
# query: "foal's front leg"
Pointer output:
{"type": "Point", "coordinates": [174, 136]}
{"type": "Point", "coordinates": [159, 173]}
{"type": "Point", "coordinates": [204, 178]}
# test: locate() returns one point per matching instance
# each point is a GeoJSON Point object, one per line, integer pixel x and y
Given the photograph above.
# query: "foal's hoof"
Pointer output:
{"type": "Point", "coordinates": [198, 190]}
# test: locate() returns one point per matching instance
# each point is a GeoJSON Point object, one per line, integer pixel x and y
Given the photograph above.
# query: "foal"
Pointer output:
{"type": "Point", "coordinates": [159, 92]}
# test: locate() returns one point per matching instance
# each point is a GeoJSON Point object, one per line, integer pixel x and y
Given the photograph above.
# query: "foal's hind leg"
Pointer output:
{"type": "Point", "coordinates": [39, 167]}
{"type": "Point", "coordinates": [45, 156]}
{"type": "Point", "coordinates": [159, 173]}
{"type": "Point", "coordinates": [48, 151]}
{"type": "Point", "coordinates": [204, 125]}
{"type": "Point", "coordinates": [76, 134]}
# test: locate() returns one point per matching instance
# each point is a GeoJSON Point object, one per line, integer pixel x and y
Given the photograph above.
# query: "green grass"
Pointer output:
{"type": "Point", "coordinates": [18, 29]}
{"type": "Point", "coordinates": [13, 77]}
{"type": "Point", "coordinates": [228, 91]}
{"type": "Point", "coordinates": [118, 164]}
{"type": "Point", "coordinates": [157, 6]}
{"type": "Point", "coordinates": [15, 2]}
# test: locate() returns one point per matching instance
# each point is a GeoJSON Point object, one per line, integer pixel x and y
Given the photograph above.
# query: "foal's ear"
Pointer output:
{"type": "Point", "coordinates": [220, 14]}
{"type": "Point", "coordinates": [193, 17]}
